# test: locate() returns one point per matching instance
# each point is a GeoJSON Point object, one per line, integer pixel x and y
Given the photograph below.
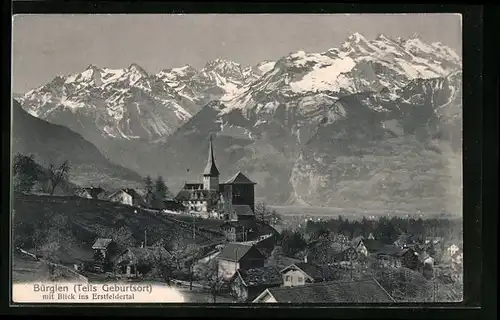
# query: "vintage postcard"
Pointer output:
{"type": "Point", "coordinates": [236, 158]}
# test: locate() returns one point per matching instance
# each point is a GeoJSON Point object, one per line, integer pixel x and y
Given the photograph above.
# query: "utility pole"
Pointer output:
{"type": "Point", "coordinates": [194, 226]}
{"type": "Point", "coordinates": [145, 237]}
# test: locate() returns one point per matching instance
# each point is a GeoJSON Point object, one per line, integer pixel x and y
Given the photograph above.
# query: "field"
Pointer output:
{"type": "Point", "coordinates": [75, 223]}
{"type": "Point", "coordinates": [26, 269]}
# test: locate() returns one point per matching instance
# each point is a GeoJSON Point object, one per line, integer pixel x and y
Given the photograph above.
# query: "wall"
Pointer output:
{"type": "Point", "coordinates": [199, 205]}
{"type": "Point", "coordinates": [227, 268]}
{"type": "Point", "coordinates": [246, 264]}
{"type": "Point", "coordinates": [123, 198]}
{"type": "Point", "coordinates": [244, 194]}
{"type": "Point", "coordinates": [210, 183]}
{"type": "Point", "coordinates": [293, 279]}
{"type": "Point", "coordinates": [362, 249]}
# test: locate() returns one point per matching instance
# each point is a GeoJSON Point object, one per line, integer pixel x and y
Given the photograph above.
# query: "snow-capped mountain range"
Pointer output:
{"type": "Point", "coordinates": [130, 103]}
{"type": "Point", "coordinates": [284, 122]}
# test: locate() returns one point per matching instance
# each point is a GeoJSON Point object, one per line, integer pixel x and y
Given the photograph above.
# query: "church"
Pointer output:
{"type": "Point", "coordinates": [233, 200]}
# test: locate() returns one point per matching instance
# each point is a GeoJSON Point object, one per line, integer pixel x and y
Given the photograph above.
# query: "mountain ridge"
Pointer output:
{"type": "Point", "coordinates": [267, 117]}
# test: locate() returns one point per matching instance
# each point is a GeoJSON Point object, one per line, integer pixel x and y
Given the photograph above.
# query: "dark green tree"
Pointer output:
{"type": "Point", "coordinates": [161, 189]}
{"type": "Point", "coordinates": [26, 172]}
{"type": "Point", "coordinates": [148, 189]}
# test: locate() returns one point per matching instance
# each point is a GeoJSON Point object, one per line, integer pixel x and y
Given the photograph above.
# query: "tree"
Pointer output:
{"type": "Point", "coordinates": [56, 175]}
{"type": "Point", "coordinates": [264, 214]}
{"type": "Point", "coordinates": [122, 236]}
{"type": "Point", "coordinates": [26, 172]}
{"type": "Point", "coordinates": [292, 242]}
{"type": "Point", "coordinates": [277, 256]}
{"type": "Point", "coordinates": [160, 188]}
{"type": "Point", "coordinates": [148, 189]}
{"type": "Point", "coordinates": [162, 263]}
{"type": "Point", "coordinates": [209, 273]}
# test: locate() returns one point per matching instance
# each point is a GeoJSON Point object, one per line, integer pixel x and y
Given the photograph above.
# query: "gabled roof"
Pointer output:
{"type": "Point", "coordinates": [112, 194]}
{"type": "Point", "coordinates": [101, 243]}
{"type": "Point", "coordinates": [424, 256]}
{"type": "Point", "coordinates": [316, 272]}
{"type": "Point", "coordinates": [236, 251]}
{"type": "Point", "coordinates": [282, 262]}
{"type": "Point", "coordinates": [239, 178]}
{"type": "Point", "coordinates": [243, 210]}
{"type": "Point", "coordinates": [269, 275]}
{"type": "Point", "coordinates": [361, 291]}
{"type": "Point", "coordinates": [393, 250]}
{"type": "Point", "coordinates": [133, 193]}
{"type": "Point", "coordinates": [94, 192]}
{"type": "Point", "coordinates": [193, 185]}
{"type": "Point", "coordinates": [372, 245]}
{"type": "Point", "coordinates": [185, 195]}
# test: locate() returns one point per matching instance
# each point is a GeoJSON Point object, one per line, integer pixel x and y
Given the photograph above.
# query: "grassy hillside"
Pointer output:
{"type": "Point", "coordinates": [63, 229]}
{"type": "Point", "coordinates": [53, 144]}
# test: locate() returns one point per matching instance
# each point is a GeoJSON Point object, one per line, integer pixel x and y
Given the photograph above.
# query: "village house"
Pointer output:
{"type": "Point", "coordinates": [137, 199]}
{"type": "Point", "coordinates": [367, 247]}
{"type": "Point", "coordinates": [426, 264]}
{"type": "Point", "coordinates": [236, 256]}
{"type": "Point", "coordinates": [405, 240]}
{"type": "Point", "coordinates": [247, 284]}
{"type": "Point", "coordinates": [121, 196]}
{"type": "Point", "coordinates": [396, 257]}
{"type": "Point", "coordinates": [360, 291]}
{"type": "Point", "coordinates": [89, 192]}
{"type": "Point", "coordinates": [138, 261]}
{"type": "Point", "coordinates": [302, 273]}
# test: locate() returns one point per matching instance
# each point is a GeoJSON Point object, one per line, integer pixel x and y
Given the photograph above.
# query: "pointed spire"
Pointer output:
{"type": "Point", "coordinates": [211, 168]}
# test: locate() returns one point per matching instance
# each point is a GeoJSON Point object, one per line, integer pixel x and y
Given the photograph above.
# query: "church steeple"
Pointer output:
{"type": "Point", "coordinates": [211, 173]}
{"type": "Point", "coordinates": [211, 169]}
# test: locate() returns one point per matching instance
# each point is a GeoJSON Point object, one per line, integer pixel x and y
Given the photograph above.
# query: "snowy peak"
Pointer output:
{"type": "Point", "coordinates": [225, 69]}
{"type": "Point", "coordinates": [356, 38]}
{"type": "Point", "coordinates": [265, 66]}
{"type": "Point", "coordinates": [135, 68]}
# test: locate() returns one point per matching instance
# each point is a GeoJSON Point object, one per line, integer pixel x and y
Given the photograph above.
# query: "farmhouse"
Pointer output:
{"type": "Point", "coordinates": [236, 256]}
{"type": "Point", "coordinates": [247, 284]}
{"type": "Point", "coordinates": [137, 199]}
{"type": "Point", "coordinates": [121, 196]}
{"type": "Point", "coordinates": [302, 273]}
{"type": "Point", "coordinates": [361, 291]}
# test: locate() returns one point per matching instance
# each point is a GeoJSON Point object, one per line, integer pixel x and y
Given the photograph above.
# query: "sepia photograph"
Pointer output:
{"type": "Point", "coordinates": [237, 158]}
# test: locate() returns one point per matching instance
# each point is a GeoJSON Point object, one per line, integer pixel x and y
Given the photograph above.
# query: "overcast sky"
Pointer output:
{"type": "Point", "coordinates": [47, 45]}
